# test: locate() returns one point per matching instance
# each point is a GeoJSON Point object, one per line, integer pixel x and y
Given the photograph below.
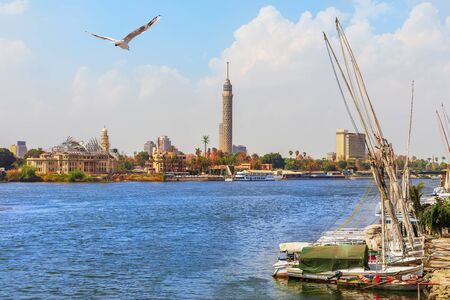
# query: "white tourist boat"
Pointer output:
{"type": "Point", "coordinates": [254, 176]}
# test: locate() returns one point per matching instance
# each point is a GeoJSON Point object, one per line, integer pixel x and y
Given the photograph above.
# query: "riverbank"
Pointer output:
{"type": "Point", "coordinates": [438, 267]}
{"type": "Point", "coordinates": [118, 177]}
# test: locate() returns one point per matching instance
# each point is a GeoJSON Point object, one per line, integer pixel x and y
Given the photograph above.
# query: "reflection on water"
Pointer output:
{"type": "Point", "coordinates": [311, 290]}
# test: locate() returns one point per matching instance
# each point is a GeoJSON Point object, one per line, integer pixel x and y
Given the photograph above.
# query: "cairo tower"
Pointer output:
{"type": "Point", "coordinates": [226, 128]}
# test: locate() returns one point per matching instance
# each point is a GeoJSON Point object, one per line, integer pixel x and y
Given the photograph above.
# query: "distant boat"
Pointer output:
{"type": "Point", "coordinates": [254, 176]}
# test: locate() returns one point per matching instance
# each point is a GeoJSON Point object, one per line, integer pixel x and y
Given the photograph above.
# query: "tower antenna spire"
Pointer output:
{"type": "Point", "coordinates": [228, 70]}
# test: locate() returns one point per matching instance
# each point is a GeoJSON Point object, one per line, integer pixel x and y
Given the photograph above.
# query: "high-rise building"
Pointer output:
{"type": "Point", "coordinates": [163, 144]}
{"type": "Point", "coordinates": [149, 147]}
{"type": "Point", "coordinates": [13, 149]}
{"type": "Point", "coordinates": [239, 148]}
{"type": "Point", "coordinates": [220, 136]}
{"type": "Point", "coordinates": [21, 148]}
{"type": "Point", "coordinates": [226, 132]}
{"type": "Point", "coordinates": [104, 143]}
{"type": "Point", "coordinates": [350, 145]}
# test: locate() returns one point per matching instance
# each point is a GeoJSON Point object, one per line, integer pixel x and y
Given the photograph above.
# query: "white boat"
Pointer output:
{"type": "Point", "coordinates": [254, 176]}
{"type": "Point", "coordinates": [325, 263]}
{"type": "Point", "coordinates": [288, 257]}
{"type": "Point", "coordinates": [326, 276]}
{"type": "Point", "coordinates": [440, 192]}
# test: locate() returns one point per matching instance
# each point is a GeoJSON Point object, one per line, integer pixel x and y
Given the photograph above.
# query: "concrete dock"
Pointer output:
{"type": "Point", "coordinates": [438, 267]}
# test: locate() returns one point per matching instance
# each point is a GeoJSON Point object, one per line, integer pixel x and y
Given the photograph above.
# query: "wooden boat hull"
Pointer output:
{"type": "Point", "coordinates": [389, 271]}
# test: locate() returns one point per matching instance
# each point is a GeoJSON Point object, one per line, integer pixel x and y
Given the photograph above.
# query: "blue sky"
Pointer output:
{"type": "Point", "coordinates": [189, 35]}
{"type": "Point", "coordinates": [170, 81]}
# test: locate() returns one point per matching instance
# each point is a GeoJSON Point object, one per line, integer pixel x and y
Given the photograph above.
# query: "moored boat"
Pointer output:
{"type": "Point", "coordinates": [254, 176]}
{"type": "Point", "coordinates": [329, 263]}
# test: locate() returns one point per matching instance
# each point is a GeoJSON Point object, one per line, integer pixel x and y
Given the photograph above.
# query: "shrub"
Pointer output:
{"type": "Point", "coordinates": [28, 174]}
{"type": "Point", "coordinates": [76, 175]}
{"type": "Point", "coordinates": [437, 217]}
{"type": "Point", "coordinates": [12, 175]}
{"type": "Point", "coordinates": [54, 177]}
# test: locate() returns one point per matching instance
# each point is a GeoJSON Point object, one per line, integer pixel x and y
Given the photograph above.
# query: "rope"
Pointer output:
{"type": "Point", "coordinates": [357, 208]}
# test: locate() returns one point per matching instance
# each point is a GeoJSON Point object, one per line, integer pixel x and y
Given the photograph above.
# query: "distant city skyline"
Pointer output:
{"type": "Point", "coordinates": [57, 81]}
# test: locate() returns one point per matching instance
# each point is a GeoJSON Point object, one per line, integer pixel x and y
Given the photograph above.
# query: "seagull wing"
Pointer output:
{"type": "Point", "coordinates": [141, 29]}
{"type": "Point", "coordinates": [102, 37]}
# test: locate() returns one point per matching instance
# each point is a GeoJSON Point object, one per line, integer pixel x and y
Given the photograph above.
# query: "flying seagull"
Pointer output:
{"type": "Point", "coordinates": [123, 43]}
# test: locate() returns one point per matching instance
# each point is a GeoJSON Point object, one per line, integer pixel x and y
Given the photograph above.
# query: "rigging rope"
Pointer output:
{"type": "Point", "coordinates": [357, 208]}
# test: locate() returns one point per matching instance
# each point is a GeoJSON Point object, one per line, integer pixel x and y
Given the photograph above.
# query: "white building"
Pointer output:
{"type": "Point", "coordinates": [163, 144]}
{"type": "Point", "coordinates": [149, 147]}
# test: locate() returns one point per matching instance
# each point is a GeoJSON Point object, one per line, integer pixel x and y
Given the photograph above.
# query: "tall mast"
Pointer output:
{"type": "Point", "coordinates": [444, 134]}
{"type": "Point", "coordinates": [380, 150]}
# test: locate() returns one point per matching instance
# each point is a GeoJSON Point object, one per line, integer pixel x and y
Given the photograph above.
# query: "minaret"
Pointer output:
{"type": "Point", "coordinates": [105, 140]}
{"type": "Point", "coordinates": [226, 135]}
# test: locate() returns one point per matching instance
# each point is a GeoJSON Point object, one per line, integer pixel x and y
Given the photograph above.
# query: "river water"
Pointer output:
{"type": "Point", "coordinates": [191, 240]}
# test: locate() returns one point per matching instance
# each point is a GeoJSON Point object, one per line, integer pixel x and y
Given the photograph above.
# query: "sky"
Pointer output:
{"type": "Point", "coordinates": [58, 81]}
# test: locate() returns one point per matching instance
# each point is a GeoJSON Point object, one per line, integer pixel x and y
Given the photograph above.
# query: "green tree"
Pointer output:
{"type": "Point", "coordinates": [76, 175]}
{"type": "Point", "coordinates": [125, 165]}
{"type": "Point", "coordinates": [400, 164]}
{"type": "Point", "coordinates": [328, 166]}
{"type": "Point", "coordinates": [437, 217]}
{"type": "Point", "coordinates": [275, 159]}
{"type": "Point", "coordinates": [293, 164]}
{"type": "Point", "coordinates": [415, 193]}
{"type": "Point", "coordinates": [28, 174]}
{"type": "Point", "coordinates": [33, 153]}
{"type": "Point", "coordinates": [6, 158]}
{"type": "Point", "coordinates": [290, 153]}
{"type": "Point", "coordinates": [341, 165]}
{"type": "Point", "coordinates": [141, 158]}
{"type": "Point", "coordinates": [205, 140]}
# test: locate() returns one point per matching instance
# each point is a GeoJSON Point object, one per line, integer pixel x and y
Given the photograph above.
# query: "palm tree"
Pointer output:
{"type": "Point", "coordinates": [296, 153]}
{"type": "Point", "coordinates": [290, 154]}
{"type": "Point", "coordinates": [198, 151]}
{"type": "Point", "coordinates": [205, 140]}
{"type": "Point", "coordinates": [415, 193]}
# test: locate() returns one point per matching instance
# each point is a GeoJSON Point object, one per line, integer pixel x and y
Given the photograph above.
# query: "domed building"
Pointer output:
{"type": "Point", "coordinates": [91, 158]}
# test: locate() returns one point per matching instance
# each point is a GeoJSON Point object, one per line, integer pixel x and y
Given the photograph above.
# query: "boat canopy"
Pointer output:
{"type": "Point", "coordinates": [320, 259]}
{"type": "Point", "coordinates": [293, 246]}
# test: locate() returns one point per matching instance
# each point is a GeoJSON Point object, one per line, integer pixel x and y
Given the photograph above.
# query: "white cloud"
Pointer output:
{"type": "Point", "coordinates": [12, 52]}
{"type": "Point", "coordinates": [285, 94]}
{"type": "Point", "coordinates": [286, 97]}
{"type": "Point", "coordinates": [136, 104]}
{"type": "Point", "coordinates": [13, 7]}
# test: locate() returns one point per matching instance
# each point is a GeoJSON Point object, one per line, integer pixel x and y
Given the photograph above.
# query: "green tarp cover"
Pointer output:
{"type": "Point", "coordinates": [330, 258]}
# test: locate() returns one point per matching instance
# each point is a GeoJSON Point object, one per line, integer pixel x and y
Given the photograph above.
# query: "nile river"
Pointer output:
{"type": "Point", "coordinates": [192, 240]}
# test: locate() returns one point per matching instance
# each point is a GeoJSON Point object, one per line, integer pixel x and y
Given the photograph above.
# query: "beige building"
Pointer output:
{"type": "Point", "coordinates": [66, 162]}
{"type": "Point", "coordinates": [91, 158]}
{"type": "Point", "coordinates": [350, 145]}
{"type": "Point", "coordinates": [169, 162]}
{"type": "Point", "coordinates": [13, 149]}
